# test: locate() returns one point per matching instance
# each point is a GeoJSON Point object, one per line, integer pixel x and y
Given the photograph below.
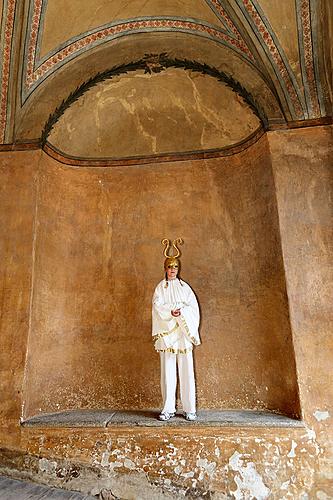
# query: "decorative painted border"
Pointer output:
{"type": "Point", "coordinates": [155, 63]}
{"type": "Point", "coordinates": [20, 146]}
{"type": "Point", "coordinates": [7, 28]}
{"type": "Point", "coordinates": [306, 17]}
{"type": "Point", "coordinates": [266, 36]}
{"type": "Point", "coordinates": [228, 23]}
{"type": "Point", "coordinates": [315, 27]}
{"type": "Point", "coordinates": [36, 145]}
{"type": "Point", "coordinates": [73, 161]}
{"type": "Point", "coordinates": [38, 69]}
{"type": "Point", "coordinates": [310, 122]}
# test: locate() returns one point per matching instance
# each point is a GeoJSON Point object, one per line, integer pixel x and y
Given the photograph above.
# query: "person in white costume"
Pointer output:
{"type": "Point", "coordinates": [175, 322]}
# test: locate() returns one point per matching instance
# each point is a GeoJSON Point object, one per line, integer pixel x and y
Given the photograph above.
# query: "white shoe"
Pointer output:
{"type": "Point", "coordinates": [190, 416]}
{"type": "Point", "coordinates": [164, 415]}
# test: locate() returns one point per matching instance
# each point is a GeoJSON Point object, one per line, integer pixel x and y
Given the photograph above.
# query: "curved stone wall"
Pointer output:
{"type": "Point", "coordinates": [98, 258]}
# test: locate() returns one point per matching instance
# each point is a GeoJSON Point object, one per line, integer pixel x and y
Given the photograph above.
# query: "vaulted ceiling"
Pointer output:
{"type": "Point", "coordinates": [275, 55]}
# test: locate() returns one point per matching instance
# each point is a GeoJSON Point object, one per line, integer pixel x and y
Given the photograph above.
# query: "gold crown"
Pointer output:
{"type": "Point", "coordinates": [167, 244]}
{"type": "Point", "coordinates": [171, 259]}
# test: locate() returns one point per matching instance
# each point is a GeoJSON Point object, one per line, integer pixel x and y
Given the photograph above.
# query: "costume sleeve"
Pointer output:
{"type": "Point", "coordinates": [192, 305]}
{"type": "Point", "coordinates": [162, 310]}
{"type": "Point", "coordinates": [190, 317]}
{"type": "Point", "coordinates": [162, 320]}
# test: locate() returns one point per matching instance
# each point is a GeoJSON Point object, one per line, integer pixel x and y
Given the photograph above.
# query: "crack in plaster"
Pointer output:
{"type": "Point", "coordinates": [131, 109]}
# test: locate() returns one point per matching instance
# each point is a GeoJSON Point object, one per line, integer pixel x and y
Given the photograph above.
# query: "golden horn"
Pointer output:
{"type": "Point", "coordinates": [177, 241]}
{"type": "Point", "coordinates": [167, 245]}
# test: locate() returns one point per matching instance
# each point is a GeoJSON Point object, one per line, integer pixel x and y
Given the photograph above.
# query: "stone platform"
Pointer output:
{"type": "Point", "coordinates": [11, 489]}
{"type": "Point", "coordinates": [149, 418]}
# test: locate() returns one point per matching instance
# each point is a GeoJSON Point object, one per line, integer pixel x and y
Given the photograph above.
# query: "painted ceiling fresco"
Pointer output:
{"type": "Point", "coordinates": [41, 39]}
{"type": "Point", "coordinates": [144, 114]}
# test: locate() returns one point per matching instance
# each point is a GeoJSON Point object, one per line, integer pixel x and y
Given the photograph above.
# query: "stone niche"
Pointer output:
{"type": "Point", "coordinates": [98, 252]}
{"type": "Point", "coordinates": [98, 257]}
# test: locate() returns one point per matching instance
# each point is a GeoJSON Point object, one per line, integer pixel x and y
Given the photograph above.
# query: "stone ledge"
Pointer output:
{"type": "Point", "coordinates": [23, 490]}
{"type": "Point", "coordinates": [148, 418]}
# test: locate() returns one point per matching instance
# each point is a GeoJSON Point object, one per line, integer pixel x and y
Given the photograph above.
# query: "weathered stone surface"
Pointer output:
{"type": "Point", "coordinates": [207, 418]}
{"type": "Point", "coordinates": [303, 170]}
{"type": "Point", "coordinates": [74, 418]}
{"type": "Point", "coordinates": [17, 202]}
{"type": "Point", "coordinates": [11, 489]}
{"type": "Point", "coordinates": [143, 114]}
{"type": "Point", "coordinates": [149, 418]}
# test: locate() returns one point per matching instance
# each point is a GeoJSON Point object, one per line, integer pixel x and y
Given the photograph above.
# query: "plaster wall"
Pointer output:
{"type": "Point", "coordinates": [143, 114]}
{"type": "Point", "coordinates": [303, 171]}
{"type": "Point", "coordinates": [98, 258]}
{"type": "Point", "coordinates": [17, 201]}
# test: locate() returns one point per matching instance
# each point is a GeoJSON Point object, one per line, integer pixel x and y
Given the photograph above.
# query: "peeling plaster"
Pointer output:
{"type": "Point", "coordinates": [47, 466]}
{"type": "Point", "coordinates": [285, 485]}
{"type": "Point", "coordinates": [209, 467]}
{"type": "Point", "coordinates": [311, 434]}
{"type": "Point", "coordinates": [128, 470]}
{"type": "Point", "coordinates": [321, 495]}
{"type": "Point", "coordinates": [248, 481]}
{"type": "Point", "coordinates": [187, 475]}
{"type": "Point", "coordinates": [292, 454]}
{"type": "Point", "coordinates": [129, 464]}
{"type": "Point", "coordinates": [321, 415]}
{"type": "Point", "coordinates": [178, 470]}
{"type": "Point", "coordinates": [105, 459]}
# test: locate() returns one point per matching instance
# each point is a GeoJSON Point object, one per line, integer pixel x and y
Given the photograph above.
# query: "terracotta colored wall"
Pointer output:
{"type": "Point", "coordinates": [303, 170]}
{"type": "Point", "coordinates": [271, 462]}
{"type": "Point", "coordinates": [17, 202]}
{"type": "Point", "coordinates": [98, 258]}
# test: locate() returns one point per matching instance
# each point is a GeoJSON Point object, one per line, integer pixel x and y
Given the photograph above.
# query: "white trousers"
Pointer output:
{"type": "Point", "coordinates": [169, 362]}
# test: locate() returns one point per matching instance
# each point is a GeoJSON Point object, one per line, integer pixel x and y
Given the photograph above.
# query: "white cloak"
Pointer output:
{"type": "Point", "coordinates": [172, 334]}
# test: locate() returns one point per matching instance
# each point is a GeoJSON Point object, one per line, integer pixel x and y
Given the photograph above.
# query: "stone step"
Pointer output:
{"type": "Point", "coordinates": [12, 489]}
{"type": "Point", "coordinates": [149, 418]}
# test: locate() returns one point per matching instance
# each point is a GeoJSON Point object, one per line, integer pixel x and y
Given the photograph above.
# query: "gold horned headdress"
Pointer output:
{"type": "Point", "coordinates": [172, 260]}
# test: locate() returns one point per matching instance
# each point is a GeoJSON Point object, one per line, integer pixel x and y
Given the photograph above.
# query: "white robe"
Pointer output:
{"type": "Point", "coordinates": [175, 334]}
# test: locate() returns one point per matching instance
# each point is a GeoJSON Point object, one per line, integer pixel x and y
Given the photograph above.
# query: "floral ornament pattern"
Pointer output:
{"type": "Point", "coordinates": [302, 104]}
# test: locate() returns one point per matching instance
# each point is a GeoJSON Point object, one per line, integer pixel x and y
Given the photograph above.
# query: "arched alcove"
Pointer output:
{"type": "Point", "coordinates": [98, 257]}
{"type": "Point", "coordinates": [57, 86]}
{"type": "Point", "coordinates": [141, 114]}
